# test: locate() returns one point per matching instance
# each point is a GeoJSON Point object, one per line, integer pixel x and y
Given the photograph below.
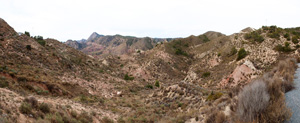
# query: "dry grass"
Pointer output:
{"type": "Point", "coordinates": [216, 117]}
{"type": "Point", "coordinates": [263, 100]}
{"type": "Point", "coordinates": [252, 100]}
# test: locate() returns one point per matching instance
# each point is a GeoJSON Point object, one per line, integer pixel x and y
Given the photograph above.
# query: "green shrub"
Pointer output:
{"type": "Point", "coordinates": [241, 54]}
{"type": "Point", "coordinates": [149, 86]}
{"type": "Point", "coordinates": [28, 47]}
{"type": "Point", "coordinates": [286, 47]}
{"type": "Point", "coordinates": [275, 35]}
{"type": "Point", "coordinates": [180, 104]}
{"type": "Point", "coordinates": [127, 77]}
{"type": "Point", "coordinates": [25, 108]}
{"type": "Point", "coordinates": [279, 47]}
{"type": "Point", "coordinates": [206, 74]}
{"type": "Point", "coordinates": [27, 33]}
{"type": "Point", "coordinates": [236, 37]}
{"type": "Point", "coordinates": [180, 52]}
{"type": "Point", "coordinates": [186, 45]}
{"type": "Point", "coordinates": [40, 40]}
{"type": "Point", "coordinates": [41, 92]}
{"type": "Point", "coordinates": [3, 68]}
{"type": "Point", "coordinates": [286, 35]}
{"type": "Point", "coordinates": [87, 99]}
{"type": "Point", "coordinates": [3, 82]}
{"type": "Point", "coordinates": [295, 39]}
{"type": "Point", "coordinates": [254, 37]}
{"type": "Point", "coordinates": [157, 83]}
{"type": "Point", "coordinates": [44, 107]}
{"type": "Point", "coordinates": [204, 38]}
{"type": "Point", "coordinates": [213, 96]}
{"type": "Point", "coordinates": [271, 29]}
{"type": "Point", "coordinates": [233, 51]}
{"type": "Point", "coordinates": [73, 113]}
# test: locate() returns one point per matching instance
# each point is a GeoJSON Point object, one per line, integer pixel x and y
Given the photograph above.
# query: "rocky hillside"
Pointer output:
{"type": "Point", "coordinates": [39, 73]}
{"type": "Point", "coordinates": [193, 79]}
{"type": "Point", "coordinates": [196, 71]}
{"type": "Point", "coordinates": [101, 46]}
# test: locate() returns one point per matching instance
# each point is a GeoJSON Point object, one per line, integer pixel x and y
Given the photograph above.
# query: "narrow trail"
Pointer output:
{"type": "Point", "coordinates": [293, 99]}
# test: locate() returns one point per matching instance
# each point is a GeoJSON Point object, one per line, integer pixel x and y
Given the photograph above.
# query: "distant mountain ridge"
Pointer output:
{"type": "Point", "coordinates": [103, 45]}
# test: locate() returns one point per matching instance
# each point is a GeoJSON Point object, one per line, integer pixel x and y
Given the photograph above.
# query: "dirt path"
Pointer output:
{"type": "Point", "coordinates": [293, 99]}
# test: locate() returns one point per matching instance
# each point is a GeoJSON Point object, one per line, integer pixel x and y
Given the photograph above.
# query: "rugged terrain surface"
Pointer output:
{"type": "Point", "coordinates": [101, 46]}
{"type": "Point", "coordinates": [184, 80]}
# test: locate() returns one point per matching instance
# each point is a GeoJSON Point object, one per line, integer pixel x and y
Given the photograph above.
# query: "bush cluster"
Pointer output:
{"type": "Point", "coordinates": [28, 47]}
{"type": "Point", "coordinates": [25, 108]}
{"type": "Point", "coordinates": [206, 74]}
{"type": "Point", "coordinates": [178, 51]}
{"type": "Point", "coordinates": [252, 100]}
{"type": "Point", "coordinates": [242, 53]}
{"type": "Point", "coordinates": [157, 83]}
{"type": "Point", "coordinates": [287, 36]}
{"type": "Point", "coordinates": [149, 86]}
{"type": "Point", "coordinates": [27, 33]}
{"type": "Point", "coordinates": [204, 38]}
{"type": "Point", "coordinates": [285, 48]}
{"type": "Point", "coordinates": [263, 99]}
{"type": "Point", "coordinates": [214, 95]}
{"type": "Point", "coordinates": [127, 77]}
{"type": "Point", "coordinates": [3, 82]}
{"type": "Point", "coordinates": [233, 51]}
{"type": "Point", "coordinates": [295, 39]}
{"type": "Point", "coordinates": [40, 40]}
{"type": "Point", "coordinates": [254, 37]}
{"type": "Point", "coordinates": [43, 113]}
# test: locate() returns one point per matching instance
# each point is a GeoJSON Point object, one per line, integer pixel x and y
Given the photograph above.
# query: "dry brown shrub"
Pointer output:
{"type": "Point", "coordinates": [32, 101]}
{"type": "Point", "coordinates": [252, 100]}
{"type": "Point", "coordinates": [252, 104]}
{"type": "Point", "coordinates": [216, 117]}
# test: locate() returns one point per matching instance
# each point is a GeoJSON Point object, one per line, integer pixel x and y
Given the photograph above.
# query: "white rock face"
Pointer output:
{"type": "Point", "coordinates": [250, 65]}
{"type": "Point", "coordinates": [191, 76]}
{"type": "Point", "coordinates": [105, 62]}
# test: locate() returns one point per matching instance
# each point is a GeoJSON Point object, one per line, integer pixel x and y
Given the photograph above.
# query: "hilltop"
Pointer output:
{"type": "Point", "coordinates": [128, 79]}
{"type": "Point", "coordinates": [101, 46]}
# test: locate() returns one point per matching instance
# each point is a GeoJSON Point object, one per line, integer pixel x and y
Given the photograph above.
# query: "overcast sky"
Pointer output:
{"type": "Point", "coordinates": [77, 19]}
